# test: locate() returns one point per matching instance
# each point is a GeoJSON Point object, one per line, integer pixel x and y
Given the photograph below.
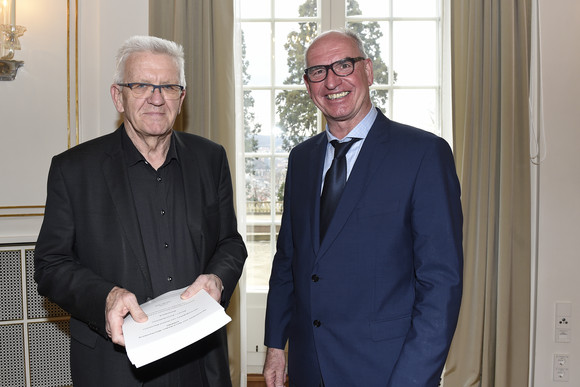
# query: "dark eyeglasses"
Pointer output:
{"type": "Point", "coordinates": [341, 68]}
{"type": "Point", "coordinates": [144, 90]}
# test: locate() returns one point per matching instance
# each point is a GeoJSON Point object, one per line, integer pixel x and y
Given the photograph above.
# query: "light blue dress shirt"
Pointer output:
{"type": "Point", "coordinates": [359, 131]}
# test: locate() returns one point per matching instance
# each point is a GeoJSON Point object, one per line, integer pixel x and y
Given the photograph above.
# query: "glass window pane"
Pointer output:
{"type": "Point", "coordinates": [257, 120]}
{"type": "Point", "coordinates": [258, 186]}
{"type": "Point", "coordinates": [375, 37]}
{"type": "Point", "coordinates": [254, 9]}
{"type": "Point", "coordinates": [380, 98]}
{"type": "Point", "coordinates": [291, 42]}
{"type": "Point", "coordinates": [372, 8]}
{"type": "Point", "coordinates": [256, 38]}
{"type": "Point", "coordinates": [418, 108]}
{"type": "Point", "coordinates": [415, 8]}
{"type": "Point", "coordinates": [415, 53]}
{"type": "Point", "coordinates": [259, 262]}
{"type": "Point", "coordinates": [296, 118]}
{"type": "Point", "coordinates": [295, 8]}
{"type": "Point", "coordinates": [280, 178]}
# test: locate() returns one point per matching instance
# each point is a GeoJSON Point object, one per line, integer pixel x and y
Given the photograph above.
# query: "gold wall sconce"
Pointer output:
{"type": "Point", "coordinates": [9, 40]}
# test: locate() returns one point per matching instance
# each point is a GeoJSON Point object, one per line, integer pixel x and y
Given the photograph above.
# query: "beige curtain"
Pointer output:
{"type": "Point", "coordinates": [490, 65]}
{"type": "Point", "coordinates": [205, 28]}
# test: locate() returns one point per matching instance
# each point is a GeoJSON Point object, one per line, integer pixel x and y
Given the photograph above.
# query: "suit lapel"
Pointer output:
{"type": "Point", "coordinates": [192, 190]}
{"type": "Point", "coordinates": [369, 159]}
{"type": "Point", "coordinates": [316, 161]}
{"type": "Point", "coordinates": [117, 180]}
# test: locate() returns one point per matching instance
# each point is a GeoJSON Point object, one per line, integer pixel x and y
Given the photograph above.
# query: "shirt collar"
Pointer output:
{"type": "Point", "coordinates": [359, 131]}
{"type": "Point", "coordinates": [133, 156]}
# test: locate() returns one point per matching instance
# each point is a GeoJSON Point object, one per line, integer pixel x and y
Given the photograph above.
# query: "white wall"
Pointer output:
{"type": "Point", "coordinates": [558, 175]}
{"type": "Point", "coordinates": [103, 26]}
{"type": "Point", "coordinates": [38, 110]}
{"type": "Point", "coordinates": [33, 117]}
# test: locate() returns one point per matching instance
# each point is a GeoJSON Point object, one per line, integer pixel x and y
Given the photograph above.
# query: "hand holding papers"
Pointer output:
{"type": "Point", "coordinates": [173, 324]}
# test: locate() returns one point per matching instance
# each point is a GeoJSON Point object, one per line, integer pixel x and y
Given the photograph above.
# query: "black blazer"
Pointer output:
{"type": "Point", "coordinates": [90, 239]}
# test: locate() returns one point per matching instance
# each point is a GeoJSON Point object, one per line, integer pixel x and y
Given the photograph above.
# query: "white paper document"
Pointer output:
{"type": "Point", "coordinates": [173, 324]}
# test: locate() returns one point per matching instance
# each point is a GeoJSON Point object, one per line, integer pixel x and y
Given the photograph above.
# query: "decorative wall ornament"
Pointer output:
{"type": "Point", "coordinates": [9, 40]}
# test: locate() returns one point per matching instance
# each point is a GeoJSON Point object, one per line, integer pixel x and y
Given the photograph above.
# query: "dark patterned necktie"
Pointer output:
{"type": "Point", "coordinates": [334, 183]}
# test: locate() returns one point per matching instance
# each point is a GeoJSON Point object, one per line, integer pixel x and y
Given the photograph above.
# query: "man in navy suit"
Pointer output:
{"type": "Point", "coordinates": [371, 296]}
{"type": "Point", "coordinates": [134, 214]}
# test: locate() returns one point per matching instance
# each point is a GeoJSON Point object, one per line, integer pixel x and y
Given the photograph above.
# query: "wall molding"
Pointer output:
{"type": "Point", "coordinates": [19, 211]}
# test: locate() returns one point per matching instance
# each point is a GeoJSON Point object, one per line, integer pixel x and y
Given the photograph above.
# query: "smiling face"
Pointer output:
{"type": "Point", "coordinates": [344, 101]}
{"type": "Point", "coordinates": [154, 115]}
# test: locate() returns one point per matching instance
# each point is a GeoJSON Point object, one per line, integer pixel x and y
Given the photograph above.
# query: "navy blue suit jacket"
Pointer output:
{"type": "Point", "coordinates": [376, 302]}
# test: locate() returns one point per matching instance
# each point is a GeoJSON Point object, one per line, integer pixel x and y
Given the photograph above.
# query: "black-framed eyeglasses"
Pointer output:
{"type": "Point", "coordinates": [144, 90]}
{"type": "Point", "coordinates": [341, 68]}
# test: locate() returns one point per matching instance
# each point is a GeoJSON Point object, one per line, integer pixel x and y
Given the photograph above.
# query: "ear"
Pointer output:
{"type": "Point", "coordinates": [369, 71]}
{"type": "Point", "coordinates": [181, 100]}
{"type": "Point", "coordinates": [117, 96]}
{"type": "Point", "coordinates": [307, 84]}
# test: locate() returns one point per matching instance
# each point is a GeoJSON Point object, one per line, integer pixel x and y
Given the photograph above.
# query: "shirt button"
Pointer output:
{"type": "Point", "coordinates": [169, 279]}
{"type": "Point", "coordinates": [166, 245]}
{"type": "Point", "coordinates": [316, 323]}
{"type": "Point", "coordinates": [315, 278]}
{"type": "Point", "coordinates": [162, 212]}
{"type": "Point", "coordinates": [159, 178]}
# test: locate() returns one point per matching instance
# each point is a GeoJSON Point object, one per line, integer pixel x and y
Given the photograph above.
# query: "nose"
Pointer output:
{"type": "Point", "coordinates": [156, 97]}
{"type": "Point", "coordinates": [332, 80]}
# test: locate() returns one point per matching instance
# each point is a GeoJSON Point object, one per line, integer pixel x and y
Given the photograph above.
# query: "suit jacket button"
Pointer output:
{"type": "Point", "coordinates": [315, 278]}
{"type": "Point", "coordinates": [316, 323]}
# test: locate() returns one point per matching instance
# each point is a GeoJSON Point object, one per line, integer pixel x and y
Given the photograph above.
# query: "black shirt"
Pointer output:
{"type": "Point", "coordinates": [159, 198]}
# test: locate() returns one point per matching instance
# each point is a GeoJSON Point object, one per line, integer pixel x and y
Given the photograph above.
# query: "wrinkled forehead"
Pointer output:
{"type": "Point", "coordinates": [150, 64]}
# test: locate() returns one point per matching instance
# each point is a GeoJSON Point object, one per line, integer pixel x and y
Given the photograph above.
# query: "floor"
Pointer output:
{"type": "Point", "coordinates": [256, 380]}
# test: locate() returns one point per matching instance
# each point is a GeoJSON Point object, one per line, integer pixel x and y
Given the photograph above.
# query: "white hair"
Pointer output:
{"type": "Point", "coordinates": [152, 44]}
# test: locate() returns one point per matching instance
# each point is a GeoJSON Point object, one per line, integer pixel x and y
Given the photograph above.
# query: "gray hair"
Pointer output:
{"type": "Point", "coordinates": [343, 31]}
{"type": "Point", "coordinates": [152, 44]}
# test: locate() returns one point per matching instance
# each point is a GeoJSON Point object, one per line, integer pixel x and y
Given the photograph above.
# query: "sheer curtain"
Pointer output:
{"type": "Point", "coordinates": [490, 68]}
{"type": "Point", "coordinates": [205, 28]}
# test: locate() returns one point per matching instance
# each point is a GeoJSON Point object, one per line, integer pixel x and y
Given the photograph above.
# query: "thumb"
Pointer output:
{"type": "Point", "coordinates": [191, 290]}
{"type": "Point", "coordinates": [138, 314]}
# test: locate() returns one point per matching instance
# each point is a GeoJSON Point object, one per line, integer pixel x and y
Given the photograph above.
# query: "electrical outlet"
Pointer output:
{"type": "Point", "coordinates": [563, 326]}
{"type": "Point", "coordinates": [561, 368]}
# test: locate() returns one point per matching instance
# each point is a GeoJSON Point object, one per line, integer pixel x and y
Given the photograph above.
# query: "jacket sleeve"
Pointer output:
{"type": "Point", "coordinates": [59, 274]}
{"type": "Point", "coordinates": [228, 254]}
{"type": "Point", "coordinates": [438, 262]}
{"type": "Point", "coordinates": [281, 286]}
